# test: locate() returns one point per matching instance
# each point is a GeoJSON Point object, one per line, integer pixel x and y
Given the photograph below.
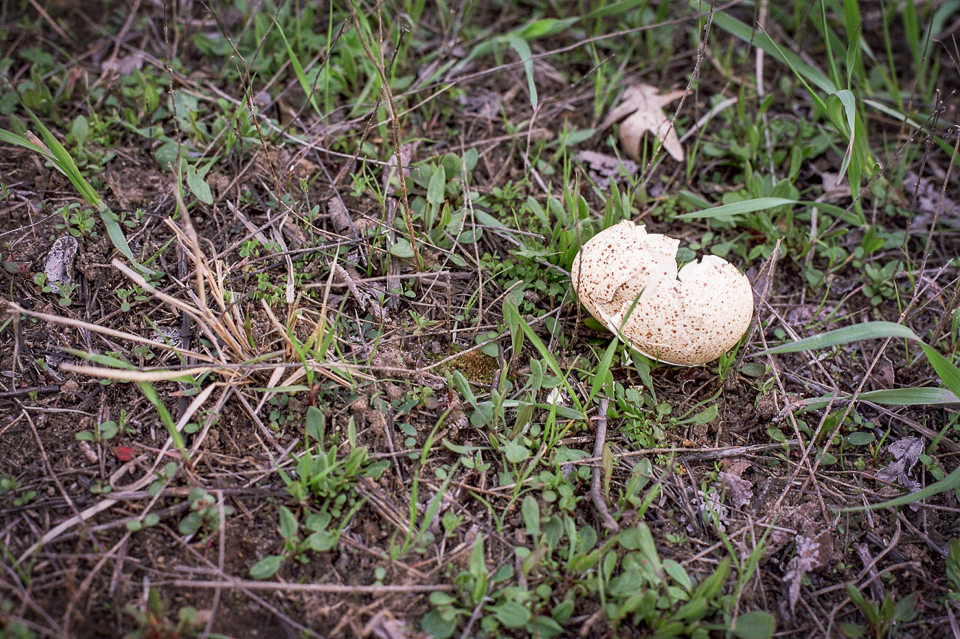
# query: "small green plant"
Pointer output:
{"type": "Point", "coordinates": [154, 622]}
{"type": "Point", "coordinates": [169, 472]}
{"type": "Point", "coordinates": [105, 431]}
{"type": "Point", "coordinates": [953, 570]}
{"type": "Point", "coordinates": [321, 474]}
{"type": "Point", "coordinates": [78, 220]}
{"type": "Point", "coordinates": [12, 484]}
{"type": "Point", "coordinates": [323, 477]}
{"type": "Point", "coordinates": [126, 295]}
{"type": "Point", "coordinates": [640, 590]}
{"type": "Point", "coordinates": [319, 538]}
{"type": "Point", "coordinates": [147, 521]}
{"type": "Point", "coordinates": [204, 513]}
{"type": "Point", "coordinates": [11, 627]}
{"type": "Point", "coordinates": [882, 619]}
{"type": "Point", "coordinates": [881, 284]}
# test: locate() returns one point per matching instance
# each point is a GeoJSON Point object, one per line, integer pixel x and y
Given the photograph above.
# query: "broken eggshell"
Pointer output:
{"type": "Point", "coordinates": [628, 280]}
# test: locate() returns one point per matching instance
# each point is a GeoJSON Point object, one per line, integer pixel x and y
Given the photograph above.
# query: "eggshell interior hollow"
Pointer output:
{"type": "Point", "coordinates": [628, 280]}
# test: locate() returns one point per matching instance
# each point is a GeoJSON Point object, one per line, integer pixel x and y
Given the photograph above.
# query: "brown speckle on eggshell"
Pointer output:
{"type": "Point", "coordinates": [687, 318]}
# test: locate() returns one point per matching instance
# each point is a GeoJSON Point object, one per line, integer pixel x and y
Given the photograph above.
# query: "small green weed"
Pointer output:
{"type": "Point", "coordinates": [882, 619]}
{"type": "Point", "coordinates": [638, 588]}
{"type": "Point", "coordinates": [154, 623]}
{"type": "Point", "coordinates": [10, 626]}
{"type": "Point", "coordinates": [12, 484]}
{"type": "Point", "coordinates": [321, 476]}
{"type": "Point", "coordinates": [204, 514]}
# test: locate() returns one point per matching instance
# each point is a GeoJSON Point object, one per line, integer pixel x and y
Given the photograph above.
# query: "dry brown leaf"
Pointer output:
{"type": "Point", "coordinates": [906, 452]}
{"type": "Point", "coordinates": [812, 554]}
{"type": "Point", "coordinates": [644, 106]}
{"type": "Point", "coordinates": [738, 489]}
{"type": "Point", "coordinates": [59, 264]}
{"type": "Point", "coordinates": [338, 215]}
{"type": "Point", "coordinates": [604, 168]}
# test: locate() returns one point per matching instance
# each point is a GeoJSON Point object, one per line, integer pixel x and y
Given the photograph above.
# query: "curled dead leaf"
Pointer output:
{"type": "Point", "coordinates": [642, 106]}
{"type": "Point", "coordinates": [59, 265]}
{"type": "Point", "coordinates": [739, 490]}
{"type": "Point", "coordinates": [812, 554]}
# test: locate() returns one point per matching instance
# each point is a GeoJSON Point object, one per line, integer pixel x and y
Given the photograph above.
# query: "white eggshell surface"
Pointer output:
{"type": "Point", "coordinates": [628, 280]}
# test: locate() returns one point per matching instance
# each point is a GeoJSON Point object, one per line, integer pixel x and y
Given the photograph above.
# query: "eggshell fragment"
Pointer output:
{"type": "Point", "coordinates": [628, 280]}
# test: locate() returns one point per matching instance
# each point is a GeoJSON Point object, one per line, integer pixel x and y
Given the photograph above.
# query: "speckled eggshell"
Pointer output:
{"type": "Point", "coordinates": [687, 318]}
{"type": "Point", "coordinates": [614, 259]}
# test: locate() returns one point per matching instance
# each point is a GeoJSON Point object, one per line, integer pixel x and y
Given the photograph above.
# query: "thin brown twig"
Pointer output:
{"type": "Point", "coordinates": [595, 494]}
{"type": "Point", "coordinates": [338, 589]}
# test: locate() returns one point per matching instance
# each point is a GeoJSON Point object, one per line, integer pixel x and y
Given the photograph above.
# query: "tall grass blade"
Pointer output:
{"type": "Point", "coordinates": [870, 330]}
{"type": "Point", "coordinates": [950, 482]}
{"type": "Point", "coordinates": [892, 397]}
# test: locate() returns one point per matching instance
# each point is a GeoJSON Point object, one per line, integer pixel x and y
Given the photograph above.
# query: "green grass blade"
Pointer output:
{"type": "Point", "coordinates": [950, 482]}
{"type": "Point", "coordinates": [545, 353]}
{"type": "Point", "coordinates": [103, 360]}
{"type": "Point", "coordinates": [298, 69]}
{"type": "Point", "coordinates": [64, 162]}
{"type": "Point", "coordinates": [617, 8]}
{"type": "Point", "coordinates": [834, 75]}
{"type": "Point", "coordinates": [119, 240]}
{"type": "Point", "coordinates": [603, 369]}
{"type": "Point", "coordinates": [849, 104]}
{"type": "Point", "coordinates": [60, 158]}
{"type": "Point", "coordinates": [892, 397]}
{"type": "Point", "coordinates": [520, 45]}
{"type": "Point", "coordinates": [870, 330]}
{"type": "Point", "coordinates": [738, 208]}
{"type": "Point", "coordinates": [946, 369]}
{"type": "Point", "coordinates": [9, 137]}
{"type": "Point", "coordinates": [151, 394]}
{"type": "Point", "coordinates": [762, 41]}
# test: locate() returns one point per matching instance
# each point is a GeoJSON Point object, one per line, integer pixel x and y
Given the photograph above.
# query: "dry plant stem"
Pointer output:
{"type": "Point", "coordinates": [948, 313]}
{"type": "Point", "coordinates": [936, 214]}
{"type": "Point", "coordinates": [378, 63]}
{"type": "Point", "coordinates": [105, 504]}
{"type": "Point", "coordinates": [804, 459]}
{"type": "Point", "coordinates": [595, 484]}
{"type": "Point", "coordinates": [769, 268]}
{"type": "Point", "coordinates": [14, 584]}
{"type": "Point", "coordinates": [335, 186]}
{"type": "Point", "coordinates": [692, 454]}
{"type": "Point", "coordinates": [954, 628]}
{"type": "Point", "coordinates": [319, 588]}
{"type": "Point", "coordinates": [869, 568]}
{"type": "Point", "coordinates": [19, 392]}
{"type": "Point", "coordinates": [221, 551]}
{"type": "Point", "coordinates": [69, 321]}
{"type": "Point", "coordinates": [761, 21]}
{"type": "Point", "coordinates": [85, 584]}
{"type": "Point", "coordinates": [229, 582]}
{"type": "Point", "coordinates": [694, 76]}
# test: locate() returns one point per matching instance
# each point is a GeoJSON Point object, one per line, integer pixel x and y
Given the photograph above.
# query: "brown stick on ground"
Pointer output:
{"type": "Point", "coordinates": [608, 521]}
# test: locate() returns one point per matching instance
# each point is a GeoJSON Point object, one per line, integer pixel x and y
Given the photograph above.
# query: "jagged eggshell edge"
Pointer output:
{"type": "Point", "coordinates": [686, 319]}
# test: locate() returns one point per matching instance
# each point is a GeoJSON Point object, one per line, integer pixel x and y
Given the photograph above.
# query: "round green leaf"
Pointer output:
{"type": "Point", "coordinates": [861, 438]}
{"type": "Point", "coordinates": [198, 186]}
{"type": "Point", "coordinates": [512, 614]}
{"type": "Point", "coordinates": [755, 625]}
{"type": "Point", "coordinates": [402, 249]}
{"type": "Point", "coordinates": [266, 567]}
